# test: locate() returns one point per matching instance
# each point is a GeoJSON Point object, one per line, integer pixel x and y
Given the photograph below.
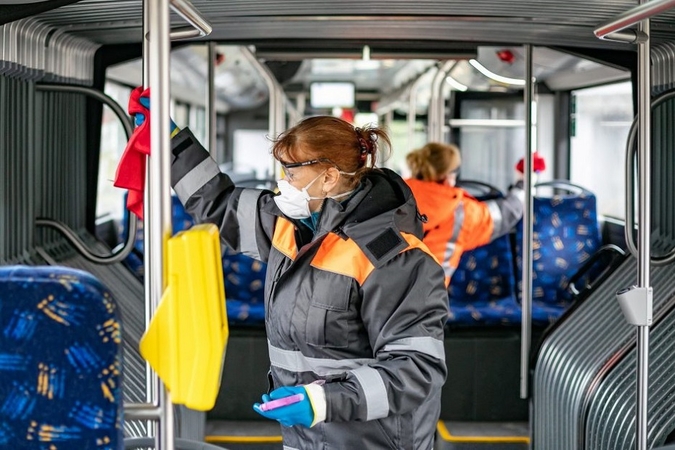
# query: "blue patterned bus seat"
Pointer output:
{"type": "Point", "coordinates": [244, 288]}
{"type": "Point", "coordinates": [180, 220]}
{"type": "Point", "coordinates": [244, 276]}
{"type": "Point", "coordinates": [482, 288]}
{"type": "Point", "coordinates": [565, 235]}
{"type": "Point", "coordinates": [60, 361]}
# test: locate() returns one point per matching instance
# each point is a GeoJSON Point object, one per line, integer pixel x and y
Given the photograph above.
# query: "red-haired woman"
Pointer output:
{"type": "Point", "coordinates": [355, 303]}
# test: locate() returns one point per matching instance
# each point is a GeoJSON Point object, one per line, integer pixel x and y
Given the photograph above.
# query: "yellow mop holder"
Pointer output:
{"type": "Point", "coordinates": [185, 342]}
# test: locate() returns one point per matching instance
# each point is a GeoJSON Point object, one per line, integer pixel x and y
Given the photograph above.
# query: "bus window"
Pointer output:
{"type": "Point", "coordinates": [180, 113]}
{"type": "Point", "coordinates": [601, 118]}
{"type": "Point", "coordinates": [113, 140]}
{"type": "Point", "coordinates": [491, 137]}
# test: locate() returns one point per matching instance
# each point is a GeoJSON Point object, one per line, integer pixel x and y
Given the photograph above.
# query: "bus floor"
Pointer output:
{"type": "Point", "coordinates": [256, 435]}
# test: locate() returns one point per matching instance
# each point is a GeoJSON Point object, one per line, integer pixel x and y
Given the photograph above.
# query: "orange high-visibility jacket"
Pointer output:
{"type": "Point", "coordinates": [457, 222]}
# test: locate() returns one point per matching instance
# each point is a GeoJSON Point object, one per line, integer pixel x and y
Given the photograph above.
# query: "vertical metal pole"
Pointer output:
{"type": "Point", "coordinates": [389, 119]}
{"type": "Point", "coordinates": [526, 302]}
{"type": "Point", "coordinates": [151, 379]}
{"type": "Point", "coordinates": [301, 106]}
{"type": "Point", "coordinates": [280, 111]}
{"type": "Point", "coordinates": [412, 114]}
{"type": "Point", "coordinates": [159, 219]}
{"type": "Point", "coordinates": [644, 227]}
{"type": "Point", "coordinates": [211, 101]}
{"type": "Point", "coordinates": [436, 109]}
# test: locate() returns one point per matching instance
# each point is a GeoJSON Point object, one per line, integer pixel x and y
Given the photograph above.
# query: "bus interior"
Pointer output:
{"type": "Point", "coordinates": [552, 367]}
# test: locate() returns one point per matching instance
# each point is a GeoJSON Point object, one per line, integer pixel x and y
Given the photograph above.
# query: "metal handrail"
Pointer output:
{"type": "Point", "coordinates": [158, 194]}
{"type": "Point", "coordinates": [631, 149]}
{"type": "Point", "coordinates": [277, 102]}
{"type": "Point", "coordinates": [436, 113]}
{"type": "Point", "coordinates": [191, 15]}
{"type": "Point", "coordinates": [527, 242]}
{"type": "Point", "coordinates": [121, 251]}
{"type": "Point", "coordinates": [631, 17]}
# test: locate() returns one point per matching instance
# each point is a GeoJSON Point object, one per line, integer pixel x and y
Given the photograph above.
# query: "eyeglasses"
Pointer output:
{"type": "Point", "coordinates": [304, 163]}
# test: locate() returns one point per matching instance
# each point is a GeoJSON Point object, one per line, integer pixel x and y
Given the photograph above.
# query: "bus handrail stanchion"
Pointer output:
{"type": "Point", "coordinates": [277, 102]}
{"type": "Point", "coordinates": [159, 201]}
{"type": "Point", "coordinates": [644, 233]}
{"type": "Point", "coordinates": [637, 301]}
{"type": "Point", "coordinates": [528, 211]}
{"type": "Point", "coordinates": [436, 110]}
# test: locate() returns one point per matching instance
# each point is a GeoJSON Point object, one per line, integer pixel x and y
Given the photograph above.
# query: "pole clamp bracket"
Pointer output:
{"type": "Point", "coordinates": [636, 304]}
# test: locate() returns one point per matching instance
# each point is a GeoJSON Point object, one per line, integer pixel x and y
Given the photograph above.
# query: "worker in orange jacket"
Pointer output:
{"type": "Point", "coordinates": [456, 221]}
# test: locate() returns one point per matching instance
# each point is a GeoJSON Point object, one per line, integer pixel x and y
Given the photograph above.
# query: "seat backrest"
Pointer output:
{"type": "Point", "coordinates": [565, 236]}
{"type": "Point", "coordinates": [482, 288]}
{"type": "Point", "coordinates": [244, 288]}
{"type": "Point", "coordinates": [60, 361]}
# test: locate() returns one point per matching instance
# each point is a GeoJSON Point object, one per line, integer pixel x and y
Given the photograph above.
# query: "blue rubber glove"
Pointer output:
{"type": "Point", "coordinates": [308, 412]}
{"type": "Point", "coordinates": [139, 118]}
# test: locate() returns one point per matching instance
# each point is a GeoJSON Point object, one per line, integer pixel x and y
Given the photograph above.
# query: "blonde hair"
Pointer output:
{"type": "Point", "coordinates": [433, 161]}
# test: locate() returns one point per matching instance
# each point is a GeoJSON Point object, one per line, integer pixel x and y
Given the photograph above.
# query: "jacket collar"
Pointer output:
{"type": "Point", "coordinates": [382, 201]}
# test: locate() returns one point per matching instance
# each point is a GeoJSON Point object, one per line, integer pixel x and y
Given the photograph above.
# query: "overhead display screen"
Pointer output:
{"type": "Point", "coordinates": [331, 94]}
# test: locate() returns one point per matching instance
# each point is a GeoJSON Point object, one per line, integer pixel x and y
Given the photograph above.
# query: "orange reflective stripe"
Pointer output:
{"type": "Point", "coordinates": [343, 257]}
{"type": "Point", "coordinates": [284, 238]}
{"type": "Point", "coordinates": [414, 242]}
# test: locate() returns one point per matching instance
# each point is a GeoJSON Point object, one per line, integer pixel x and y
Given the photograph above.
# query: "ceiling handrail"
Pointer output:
{"type": "Point", "coordinates": [614, 29]}
{"type": "Point", "coordinates": [185, 9]}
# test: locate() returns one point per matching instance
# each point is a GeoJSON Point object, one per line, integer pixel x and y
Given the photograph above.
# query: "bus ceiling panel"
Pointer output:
{"type": "Point", "coordinates": [11, 10]}
{"type": "Point", "coordinates": [250, 30]}
{"type": "Point", "coordinates": [238, 84]}
{"type": "Point", "coordinates": [546, 22]}
{"type": "Point", "coordinates": [593, 11]}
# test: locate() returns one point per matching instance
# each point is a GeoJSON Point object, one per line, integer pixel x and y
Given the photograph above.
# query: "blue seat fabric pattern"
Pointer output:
{"type": "Point", "coordinates": [180, 221]}
{"type": "Point", "coordinates": [60, 361]}
{"type": "Point", "coordinates": [244, 276]}
{"type": "Point", "coordinates": [482, 289]}
{"type": "Point", "coordinates": [565, 236]}
{"type": "Point", "coordinates": [244, 288]}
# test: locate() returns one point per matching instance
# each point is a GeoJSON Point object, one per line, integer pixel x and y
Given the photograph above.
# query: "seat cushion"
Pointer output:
{"type": "Point", "coordinates": [60, 361]}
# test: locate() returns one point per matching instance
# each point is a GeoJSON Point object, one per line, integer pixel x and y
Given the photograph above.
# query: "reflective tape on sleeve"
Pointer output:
{"type": "Point", "coordinates": [247, 216]}
{"type": "Point", "coordinates": [377, 402]}
{"type": "Point", "coordinates": [422, 344]}
{"type": "Point", "coordinates": [195, 179]}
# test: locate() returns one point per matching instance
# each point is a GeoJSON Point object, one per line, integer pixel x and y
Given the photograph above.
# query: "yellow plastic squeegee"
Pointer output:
{"type": "Point", "coordinates": [185, 342]}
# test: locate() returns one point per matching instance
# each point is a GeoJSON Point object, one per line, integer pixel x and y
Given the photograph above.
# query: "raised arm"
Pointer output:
{"type": "Point", "coordinates": [210, 196]}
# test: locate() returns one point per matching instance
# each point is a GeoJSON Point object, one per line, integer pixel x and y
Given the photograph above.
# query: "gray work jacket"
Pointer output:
{"type": "Point", "coordinates": [359, 303]}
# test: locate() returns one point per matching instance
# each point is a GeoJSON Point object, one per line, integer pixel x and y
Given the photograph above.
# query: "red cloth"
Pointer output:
{"type": "Point", "coordinates": [539, 164]}
{"type": "Point", "coordinates": [131, 168]}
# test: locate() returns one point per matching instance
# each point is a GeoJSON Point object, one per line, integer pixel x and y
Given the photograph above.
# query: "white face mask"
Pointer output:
{"type": "Point", "coordinates": [294, 202]}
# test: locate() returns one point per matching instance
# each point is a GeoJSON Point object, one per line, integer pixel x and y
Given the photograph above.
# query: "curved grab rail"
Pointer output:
{"type": "Point", "coordinates": [631, 149]}
{"type": "Point", "coordinates": [615, 27]}
{"type": "Point", "coordinates": [489, 189]}
{"type": "Point", "coordinates": [121, 251]}
{"type": "Point", "coordinates": [564, 184]}
{"type": "Point", "coordinates": [269, 183]}
{"type": "Point", "coordinates": [199, 26]}
{"type": "Point", "coordinates": [611, 249]}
